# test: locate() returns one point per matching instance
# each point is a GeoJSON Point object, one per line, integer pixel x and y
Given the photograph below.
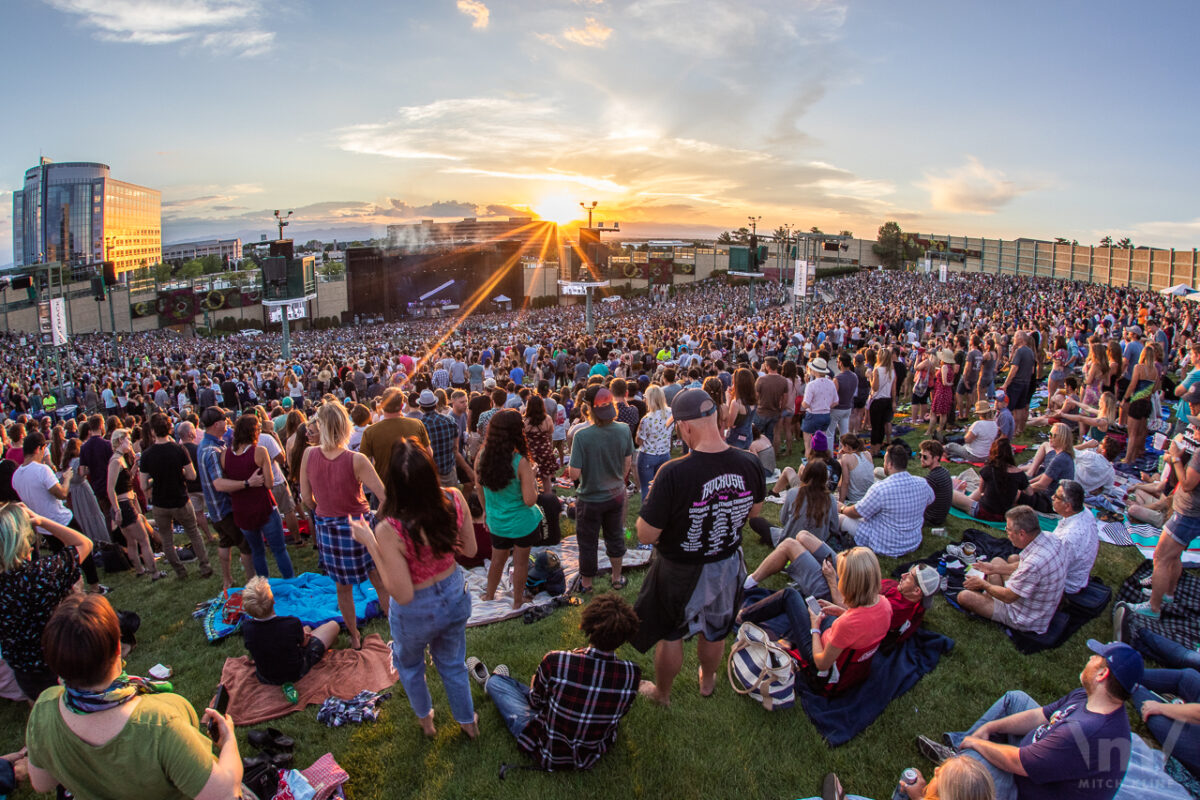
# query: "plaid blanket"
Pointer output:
{"type": "Point", "coordinates": [1180, 620]}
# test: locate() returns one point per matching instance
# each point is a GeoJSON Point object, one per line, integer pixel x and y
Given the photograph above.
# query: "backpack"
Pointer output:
{"type": "Point", "coordinates": [761, 668]}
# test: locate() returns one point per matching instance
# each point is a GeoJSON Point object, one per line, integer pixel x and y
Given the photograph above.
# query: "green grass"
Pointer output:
{"type": "Point", "coordinates": [723, 746]}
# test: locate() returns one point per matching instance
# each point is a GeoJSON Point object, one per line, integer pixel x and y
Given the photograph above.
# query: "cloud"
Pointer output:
{"type": "Point", "coordinates": [1165, 233]}
{"type": "Point", "coordinates": [199, 199]}
{"type": "Point", "coordinates": [971, 189]}
{"type": "Point", "coordinates": [592, 34]}
{"type": "Point", "coordinates": [220, 25]}
{"type": "Point", "coordinates": [476, 10]}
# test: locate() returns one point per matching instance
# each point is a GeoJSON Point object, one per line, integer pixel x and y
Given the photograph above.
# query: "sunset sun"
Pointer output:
{"type": "Point", "coordinates": [558, 208]}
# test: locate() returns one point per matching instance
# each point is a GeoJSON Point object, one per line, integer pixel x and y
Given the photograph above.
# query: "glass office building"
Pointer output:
{"type": "Point", "coordinates": [75, 213]}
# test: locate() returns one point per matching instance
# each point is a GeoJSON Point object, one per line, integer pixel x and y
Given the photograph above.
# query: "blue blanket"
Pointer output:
{"type": "Point", "coordinates": [309, 596]}
{"type": "Point", "coordinates": [840, 719]}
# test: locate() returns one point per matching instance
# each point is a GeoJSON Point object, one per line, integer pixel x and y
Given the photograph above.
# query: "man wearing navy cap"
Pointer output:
{"type": "Point", "coordinates": [1076, 748]}
{"type": "Point", "coordinates": [694, 515]}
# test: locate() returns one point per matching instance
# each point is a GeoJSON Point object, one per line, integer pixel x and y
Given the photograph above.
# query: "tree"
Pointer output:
{"type": "Point", "coordinates": [212, 264]}
{"type": "Point", "coordinates": [312, 244]}
{"type": "Point", "coordinates": [815, 229]}
{"type": "Point", "coordinates": [191, 269]}
{"type": "Point", "coordinates": [740, 236]}
{"type": "Point", "coordinates": [724, 238]}
{"type": "Point", "coordinates": [1125, 243]}
{"type": "Point", "coordinates": [847, 234]}
{"type": "Point", "coordinates": [162, 272]}
{"type": "Point", "coordinates": [334, 269]}
{"type": "Point", "coordinates": [1061, 240]}
{"type": "Point", "coordinates": [892, 246]}
{"type": "Point", "coordinates": [781, 233]}
{"type": "Point", "coordinates": [1107, 241]}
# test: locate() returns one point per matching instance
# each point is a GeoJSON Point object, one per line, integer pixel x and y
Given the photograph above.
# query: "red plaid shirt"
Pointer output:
{"type": "Point", "coordinates": [578, 698]}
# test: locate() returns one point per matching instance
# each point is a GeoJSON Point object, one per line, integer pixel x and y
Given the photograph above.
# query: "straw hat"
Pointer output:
{"type": "Point", "coordinates": [946, 356]}
{"type": "Point", "coordinates": [983, 407]}
{"type": "Point", "coordinates": [819, 366]}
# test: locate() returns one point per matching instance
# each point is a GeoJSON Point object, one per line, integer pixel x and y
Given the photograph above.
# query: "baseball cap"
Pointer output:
{"type": "Point", "coordinates": [427, 399]}
{"type": "Point", "coordinates": [286, 402]}
{"type": "Point", "coordinates": [602, 404]}
{"type": "Point", "coordinates": [1193, 394]}
{"type": "Point", "coordinates": [928, 579]}
{"type": "Point", "coordinates": [1123, 661]}
{"type": "Point", "coordinates": [1001, 397]}
{"type": "Point", "coordinates": [692, 404]}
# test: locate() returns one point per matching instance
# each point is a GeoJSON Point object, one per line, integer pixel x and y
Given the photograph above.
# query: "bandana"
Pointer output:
{"type": "Point", "coordinates": [122, 690]}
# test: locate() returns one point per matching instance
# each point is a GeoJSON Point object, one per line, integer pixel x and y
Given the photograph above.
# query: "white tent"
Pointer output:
{"type": "Point", "coordinates": [612, 298]}
{"type": "Point", "coordinates": [1178, 289]}
{"type": "Point", "coordinates": [501, 298]}
{"type": "Point", "coordinates": [1194, 297]}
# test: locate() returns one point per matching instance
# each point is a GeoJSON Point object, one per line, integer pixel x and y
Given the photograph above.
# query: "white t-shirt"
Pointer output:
{"type": "Point", "coordinates": [32, 484]}
{"type": "Point", "coordinates": [986, 431]}
{"type": "Point", "coordinates": [273, 450]}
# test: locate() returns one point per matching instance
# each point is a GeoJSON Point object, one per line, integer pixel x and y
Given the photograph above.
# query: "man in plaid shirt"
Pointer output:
{"type": "Point", "coordinates": [443, 439]}
{"type": "Point", "coordinates": [888, 518]}
{"type": "Point", "coordinates": [567, 718]}
{"type": "Point", "coordinates": [1022, 592]}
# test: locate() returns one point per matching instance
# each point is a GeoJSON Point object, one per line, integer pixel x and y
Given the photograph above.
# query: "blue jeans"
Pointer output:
{"type": "Point", "coordinates": [1165, 651]}
{"type": "Point", "coordinates": [436, 618]}
{"type": "Point", "coordinates": [272, 533]}
{"type": "Point", "coordinates": [790, 603]}
{"type": "Point", "coordinates": [1011, 703]}
{"type": "Point", "coordinates": [647, 467]}
{"type": "Point", "coordinates": [512, 701]}
{"type": "Point", "coordinates": [766, 425]}
{"type": "Point", "coordinates": [1178, 739]}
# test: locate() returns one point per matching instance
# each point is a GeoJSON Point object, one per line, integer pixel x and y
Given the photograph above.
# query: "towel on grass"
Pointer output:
{"type": "Point", "coordinates": [486, 612]}
{"type": "Point", "coordinates": [309, 596]}
{"type": "Point", "coordinates": [840, 719]}
{"type": "Point", "coordinates": [341, 673]}
{"type": "Point", "coordinates": [1144, 538]}
{"type": "Point", "coordinates": [1146, 776]}
{"type": "Point", "coordinates": [1046, 521]}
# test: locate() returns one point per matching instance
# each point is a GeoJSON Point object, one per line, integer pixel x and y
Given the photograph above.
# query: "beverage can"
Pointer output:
{"type": "Point", "coordinates": [909, 777]}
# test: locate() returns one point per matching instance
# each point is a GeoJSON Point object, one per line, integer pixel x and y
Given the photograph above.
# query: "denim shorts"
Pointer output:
{"type": "Point", "coordinates": [815, 422]}
{"type": "Point", "coordinates": [1184, 530]}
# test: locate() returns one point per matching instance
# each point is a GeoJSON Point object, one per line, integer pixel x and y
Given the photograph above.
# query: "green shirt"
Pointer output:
{"type": "Point", "coordinates": [159, 754]}
{"type": "Point", "coordinates": [599, 452]}
{"type": "Point", "coordinates": [507, 515]}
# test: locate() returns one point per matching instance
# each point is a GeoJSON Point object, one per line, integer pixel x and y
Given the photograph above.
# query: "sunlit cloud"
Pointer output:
{"type": "Point", "coordinates": [600, 184]}
{"type": "Point", "coordinates": [971, 189]}
{"type": "Point", "coordinates": [225, 26]}
{"type": "Point", "coordinates": [592, 34]}
{"type": "Point", "coordinates": [476, 10]}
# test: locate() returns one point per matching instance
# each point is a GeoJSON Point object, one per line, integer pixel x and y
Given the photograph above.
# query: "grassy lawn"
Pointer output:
{"type": "Point", "coordinates": [723, 746]}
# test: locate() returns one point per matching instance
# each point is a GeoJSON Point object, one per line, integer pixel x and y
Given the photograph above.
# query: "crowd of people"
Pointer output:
{"type": "Point", "coordinates": [406, 448]}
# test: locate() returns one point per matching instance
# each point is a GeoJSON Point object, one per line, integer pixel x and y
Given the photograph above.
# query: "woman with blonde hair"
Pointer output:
{"type": "Point", "coordinates": [1143, 385]}
{"type": "Point", "coordinates": [332, 478]}
{"type": "Point", "coordinates": [1095, 370]}
{"type": "Point", "coordinates": [739, 411]}
{"type": "Point", "coordinates": [125, 509]}
{"type": "Point", "coordinates": [654, 437]}
{"type": "Point", "coordinates": [882, 399]}
{"type": "Point", "coordinates": [1053, 462]}
{"type": "Point", "coordinates": [1095, 425]}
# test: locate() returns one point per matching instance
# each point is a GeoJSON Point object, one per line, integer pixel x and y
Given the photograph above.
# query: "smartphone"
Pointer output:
{"type": "Point", "coordinates": [220, 704]}
{"type": "Point", "coordinates": [813, 605]}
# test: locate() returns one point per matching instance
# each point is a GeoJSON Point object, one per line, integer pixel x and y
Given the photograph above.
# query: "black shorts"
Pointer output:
{"type": "Point", "coordinates": [1141, 409]}
{"type": "Point", "coordinates": [531, 540]}
{"type": "Point", "coordinates": [921, 398]}
{"type": "Point", "coordinates": [1018, 396]}
{"type": "Point", "coordinates": [313, 652]}
{"type": "Point", "coordinates": [229, 535]}
{"type": "Point", "coordinates": [129, 514]}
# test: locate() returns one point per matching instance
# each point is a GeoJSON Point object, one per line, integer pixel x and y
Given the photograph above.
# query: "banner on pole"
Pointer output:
{"type": "Point", "coordinates": [928, 266]}
{"type": "Point", "coordinates": [296, 310]}
{"type": "Point", "coordinates": [805, 277]}
{"type": "Point", "coordinates": [942, 273]}
{"type": "Point", "coordinates": [573, 289]}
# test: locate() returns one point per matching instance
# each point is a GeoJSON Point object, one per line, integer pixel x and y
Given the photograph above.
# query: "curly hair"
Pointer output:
{"type": "Point", "coordinates": [609, 621]}
{"type": "Point", "coordinates": [414, 498]}
{"type": "Point", "coordinates": [505, 436]}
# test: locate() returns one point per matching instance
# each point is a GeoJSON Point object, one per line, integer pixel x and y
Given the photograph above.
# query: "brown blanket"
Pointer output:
{"type": "Point", "coordinates": [341, 673]}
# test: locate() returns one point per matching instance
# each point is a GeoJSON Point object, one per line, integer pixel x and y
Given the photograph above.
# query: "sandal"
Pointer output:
{"type": "Point", "coordinates": [620, 582]}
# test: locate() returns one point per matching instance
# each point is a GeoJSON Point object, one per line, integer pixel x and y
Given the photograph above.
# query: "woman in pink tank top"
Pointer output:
{"type": "Point", "coordinates": [331, 485]}
{"type": "Point", "coordinates": [423, 526]}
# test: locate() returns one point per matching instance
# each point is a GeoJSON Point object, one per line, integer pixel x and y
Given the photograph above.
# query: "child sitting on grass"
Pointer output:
{"type": "Point", "coordinates": [283, 650]}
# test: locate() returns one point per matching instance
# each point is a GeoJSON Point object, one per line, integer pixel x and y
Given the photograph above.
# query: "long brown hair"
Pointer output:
{"type": "Point", "coordinates": [813, 491]}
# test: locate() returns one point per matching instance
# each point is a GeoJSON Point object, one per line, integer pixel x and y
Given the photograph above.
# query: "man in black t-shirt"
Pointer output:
{"type": "Point", "coordinates": [694, 515]}
{"type": "Point", "coordinates": [165, 469]}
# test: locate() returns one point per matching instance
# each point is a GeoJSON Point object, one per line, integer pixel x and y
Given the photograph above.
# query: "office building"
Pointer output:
{"type": "Point", "coordinates": [229, 250]}
{"type": "Point", "coordinates": [77, 214]}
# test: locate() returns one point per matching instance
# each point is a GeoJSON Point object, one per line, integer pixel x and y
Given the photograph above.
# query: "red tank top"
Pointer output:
{"type": "Point", "coordinates": [251, 507]}
{"type": "Point", "coordinates": [422, 564]}
{"type": "Point", "coordinates": [335, 487]}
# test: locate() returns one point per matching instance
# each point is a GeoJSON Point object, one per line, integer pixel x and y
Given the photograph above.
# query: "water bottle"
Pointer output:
{"type": "Point", "coordinates": [941, 568]}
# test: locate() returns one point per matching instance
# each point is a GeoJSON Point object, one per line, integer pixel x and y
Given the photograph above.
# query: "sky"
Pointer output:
{"type": "Point", "coordinates": [677, 117]}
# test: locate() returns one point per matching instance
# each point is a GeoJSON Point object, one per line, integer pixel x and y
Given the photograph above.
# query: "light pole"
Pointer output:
{"type": "Point", "coordinates": [753, 258]}
{"type": "Point", "coordinates": [589, 209]}
{"type": "Point", "coordinates": [112, 314]}
{"type": "Point", "coordinates": [282, 222]}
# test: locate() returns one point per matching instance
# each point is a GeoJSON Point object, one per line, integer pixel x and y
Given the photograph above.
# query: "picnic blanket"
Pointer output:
{"type": "Point", "coordinates": [1144, 538]}
{"type": "Point", "coordinates": [1180, 620]}
{"type": "Point", "coordinates": [341, 673]}
{"type": "Point", "coordinates": [1146, 776]}
{"type": "Point", "coordinates": [309, 596]}
{"type": "Point", "coordinates": [487, 612]}
{"type": "Point", "coordinates": [840, 719]}
{"type": "Point", "coordinates": [1046, 521]}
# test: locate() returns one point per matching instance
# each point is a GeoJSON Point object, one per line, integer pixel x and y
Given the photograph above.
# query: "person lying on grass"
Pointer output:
{"type": "Point", "coordinates": [283, 649]}
{"type": "Point", "coordinates": [567, 717]}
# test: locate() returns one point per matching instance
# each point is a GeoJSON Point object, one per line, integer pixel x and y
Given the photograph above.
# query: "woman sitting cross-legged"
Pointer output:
{"type": "Point", "coordinates": [809, 506]}
{"type": "Point", "coordinates": [1001, 481]}
{"type": "Point", "coordinates": [105, 734]}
